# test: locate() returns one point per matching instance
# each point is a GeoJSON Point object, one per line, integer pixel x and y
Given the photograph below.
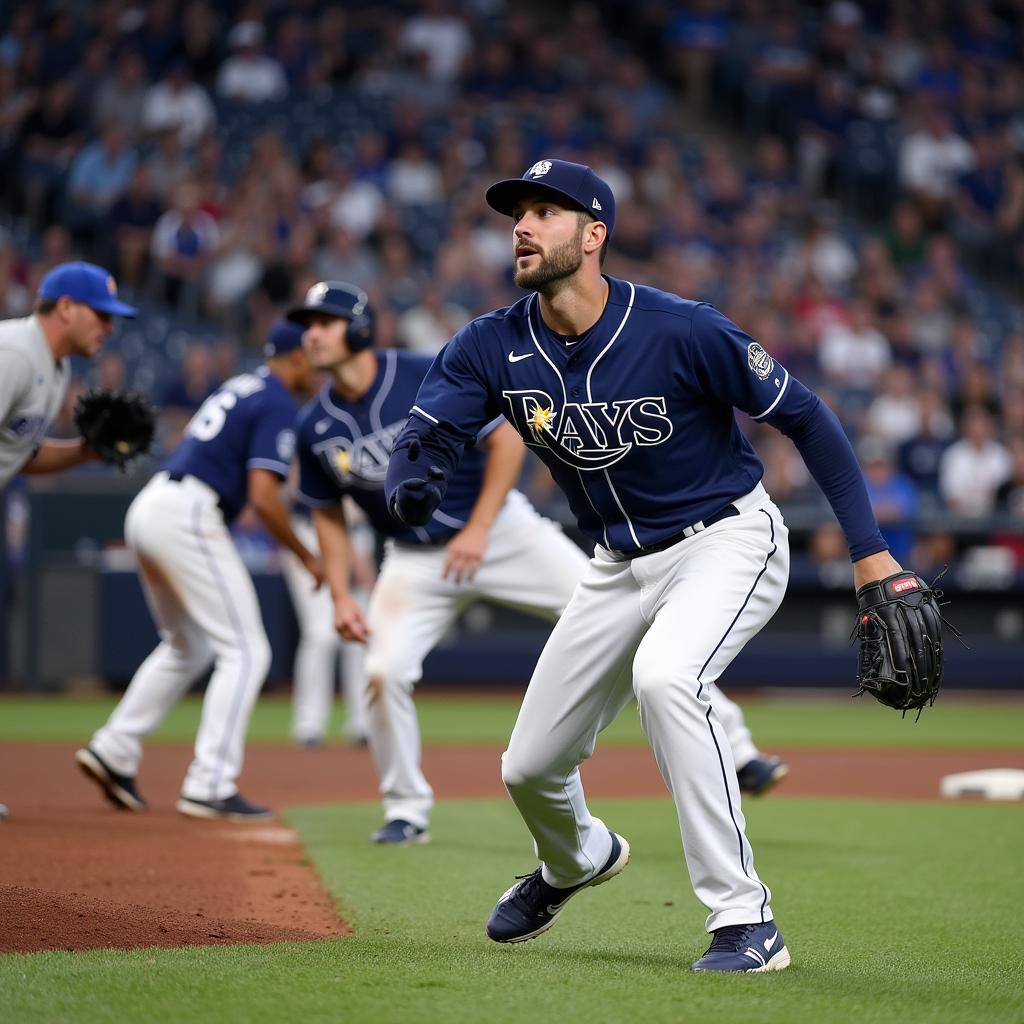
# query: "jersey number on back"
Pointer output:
{"type": "Point", "coordinates": [209, 420]}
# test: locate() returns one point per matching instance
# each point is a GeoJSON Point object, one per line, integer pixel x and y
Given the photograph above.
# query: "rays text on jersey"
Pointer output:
{"type": "Point", "coordinates": [588, 435]}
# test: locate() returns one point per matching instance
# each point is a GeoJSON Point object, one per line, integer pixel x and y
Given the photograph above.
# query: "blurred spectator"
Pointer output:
{"type": "Point", "coordinates": [894, 415]}
{"type": "Point", "coordinates": [823, 252]}
{"type": "Point", "coordinates": [249, 75]}
{"type": "Point", "coordinates": [182, 395]}
{"type": "Point", "coordinates": [98, 177]}
{"type": "Point", "coordinates": [355, 206]}
{"type": "Point", "coordinates": [51, 135]}
{"type": "Point", "coordinates": [121, 96]}
{"type": "Point", "coordinates": [14, 297]}
{"type": "Point", "coordinates": [200, 41]}
{"type": "Point", "coordinates": [855, 354]}
{"type": "Point", "coordinates": [892, 495]}
{"type": "Point", "coordinates": [934, 553]}
{"type": "Point", "coordinates": [430, 324]}
{"type": "Point", "coordinates": [293, 52]}
{"type": "Point", "coordinates": [158, 38]}
{"type": "Point", "coordinates": [414, 179]}
{"type": "Point", "coordinates": [130, 224]}
{"type": "Point", "coordinates": [921, 454]}
{"type": "Point", "coordinates": [905, 235]}
{"type": "Point", "coordinates": [830, 555]}
{"type": "Point", "coordinates": [1010, 493]}
{"type": "Point", "coordinates": [344, 259]}
{"type": "Point", "coordinates": [176, 102]}
{"type": "Point", "coordinates": [440, 35]}
{"type": "Point", "coordinates": [824, 121]}
{"type": "Point", "coordinates": [972, 469]}
{"type": "Point", "coordinates": [931, 160]}
{"type": "Point", "coordinates": [184, 241]}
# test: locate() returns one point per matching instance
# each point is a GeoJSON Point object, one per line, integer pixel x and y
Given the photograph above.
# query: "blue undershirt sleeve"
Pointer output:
{"type": "Point", "coordinates": [828, 454]}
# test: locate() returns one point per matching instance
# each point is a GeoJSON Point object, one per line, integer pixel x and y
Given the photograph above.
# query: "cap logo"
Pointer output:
{"type": "Point", "coordinates": [595, 205]}
{"type": "Point", "coordinates": [539, 169]}
{"type": "Point", "coordinates": [315, 295]}
{"type": "Point", "coordinates": [111, 285]}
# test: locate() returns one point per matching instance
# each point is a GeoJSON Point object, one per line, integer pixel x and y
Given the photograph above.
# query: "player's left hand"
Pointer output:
{"type": "Point", "coordinates": [349, 620]}
{"type": "Point", "coordinates": [315, 568]}
{"type": "Point", "coordinates": [465, 553]}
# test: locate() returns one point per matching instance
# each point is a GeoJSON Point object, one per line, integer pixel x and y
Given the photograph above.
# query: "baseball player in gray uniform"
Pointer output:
{"type": "Point", "coordinates": [627, 394]}
{"type": "Point", "coordinates": [73, 313]}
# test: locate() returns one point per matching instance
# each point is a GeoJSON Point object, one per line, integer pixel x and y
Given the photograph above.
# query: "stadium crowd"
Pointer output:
{"type": "Point", "coordinates": [844, 180]}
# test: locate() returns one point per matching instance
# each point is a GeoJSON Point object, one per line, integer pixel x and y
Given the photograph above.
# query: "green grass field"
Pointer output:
{"type": "Point", "coordinates": [893, 912]}
{"type": "Point", "coordinates": [779, 721]}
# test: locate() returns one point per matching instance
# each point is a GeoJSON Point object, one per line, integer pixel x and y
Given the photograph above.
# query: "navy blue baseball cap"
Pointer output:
{"type": "Point", "coordinates": [283, 337]}
{"type": "Point", "coordinates": [575, 185]}
{"type": "Point", "coordinates": [334, 298]}
{"type": "Point", "coordinates": [85, 283]}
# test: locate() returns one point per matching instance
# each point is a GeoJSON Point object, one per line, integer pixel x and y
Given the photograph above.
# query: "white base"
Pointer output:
{"type": "Point", "coordinates": [989, 784]}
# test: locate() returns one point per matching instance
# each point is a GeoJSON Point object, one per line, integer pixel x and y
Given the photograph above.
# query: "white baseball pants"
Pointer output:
{"type": "Point", "coordinates": [530, 564]}
{"type": "Point", "coordinates": [204, 603]}
{"type": "Point", "coordinates": [660, 628]}
{"type": "Point", "coordinates": [320, 647]}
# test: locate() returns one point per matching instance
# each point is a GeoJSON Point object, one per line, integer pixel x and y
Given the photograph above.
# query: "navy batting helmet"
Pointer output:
{"type": "Point", "coordinates": [340, 299]}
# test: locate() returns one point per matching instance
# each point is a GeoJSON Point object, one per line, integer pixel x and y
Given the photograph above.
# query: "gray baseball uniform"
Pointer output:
{"type": "Point", "coordinates": [32, 389]}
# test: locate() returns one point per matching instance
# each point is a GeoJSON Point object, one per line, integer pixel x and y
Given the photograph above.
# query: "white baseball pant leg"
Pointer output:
{"type": "Point", "coordinates": [204, 604]}
{"type": "Point", "coordinates": [530, 564]}
{"type": "Point", "coordinates": [662, 627]}
{"type": "Point", "coordinates": [737, 733]}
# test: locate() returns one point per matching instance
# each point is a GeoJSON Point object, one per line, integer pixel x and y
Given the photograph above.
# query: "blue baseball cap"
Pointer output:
{"type": "Point", "coordinates": [283, 337]}
{"type": "Point", "coordinates": [85, 283]}
{"type": "Point", "coordinates": [334, 298]}
{"type": "Point", "coordinates": [573, 184]}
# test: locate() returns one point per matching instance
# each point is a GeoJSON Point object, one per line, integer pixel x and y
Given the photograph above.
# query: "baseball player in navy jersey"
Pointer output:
{"type": "Point", "coordinates": [236, 450]}
{"type": "Point", "coordinates": [627, 393]}
{"type": "Point", "coordinates": [485, 539]}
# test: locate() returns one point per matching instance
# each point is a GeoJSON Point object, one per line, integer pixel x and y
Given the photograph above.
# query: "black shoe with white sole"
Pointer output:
{"type": "Point", "coordinates": [118, 789]}
{"type": "Point", "coordinates": [230, 808]}
{"type": "Point", "coordinates": [532, 907]}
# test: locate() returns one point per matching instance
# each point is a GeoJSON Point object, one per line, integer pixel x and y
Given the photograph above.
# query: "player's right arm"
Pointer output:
{"type": "Point", "coordinates": [322, 496]}
{"type": "Point", "coordinates": [332, 534]}
{"type": "Point", "coordinates": [454, 402]}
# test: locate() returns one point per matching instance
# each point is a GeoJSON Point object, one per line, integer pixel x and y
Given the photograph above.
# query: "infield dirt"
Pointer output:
{"type": "Point", "coordinates": [76, 874]}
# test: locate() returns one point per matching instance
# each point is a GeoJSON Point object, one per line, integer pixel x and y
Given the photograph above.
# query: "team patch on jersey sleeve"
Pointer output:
{"type": "Point", "coordinates": [286, 445]}
{"type": "Point", "coordinates": [759, 361]}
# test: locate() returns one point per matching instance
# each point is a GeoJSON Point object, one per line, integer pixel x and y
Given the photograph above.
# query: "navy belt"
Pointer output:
{"type": "Point", "coordinates": [661, 545]}
{"type": "Point", "coordinates": [178, 477]}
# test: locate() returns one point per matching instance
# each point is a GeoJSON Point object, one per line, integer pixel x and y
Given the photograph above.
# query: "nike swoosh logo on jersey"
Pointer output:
{"type": "Point", "coordinates": [513, 358]}
{"type": "Point", "coordinates": [768, 943]}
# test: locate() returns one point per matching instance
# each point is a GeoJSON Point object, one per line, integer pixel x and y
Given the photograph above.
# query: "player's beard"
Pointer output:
{"type": "Point", "coordinates": [563, 261]}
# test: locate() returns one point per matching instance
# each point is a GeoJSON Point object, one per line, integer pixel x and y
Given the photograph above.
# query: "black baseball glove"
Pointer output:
{"type": "Point", "coordinates": [116, 425]}
{"type": "Point", "coordinates": [899, 630]}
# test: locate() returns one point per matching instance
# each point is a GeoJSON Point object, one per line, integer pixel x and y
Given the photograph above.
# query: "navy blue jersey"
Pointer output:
{"type": "Point", "coordinates": [635, 418]}
{"type": "Point", "coordinates": [344, 448]}
{"type": "Point", "coordinates": [247, 423]}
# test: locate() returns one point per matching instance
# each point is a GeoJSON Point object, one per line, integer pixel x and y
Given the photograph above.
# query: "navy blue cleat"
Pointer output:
{"type": "Point", "coordinates": [745, 947]}
{"type": "Point", "coordinates": [532, 906]}
{"type": "Point", "coordinates": [230, 808]}
{"type": "Point", "coordinates": [400, 833]}
{"type": "Point", "coordinates": [118, 789]}
{"type": "Point", "coordinates": [763, 773]}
